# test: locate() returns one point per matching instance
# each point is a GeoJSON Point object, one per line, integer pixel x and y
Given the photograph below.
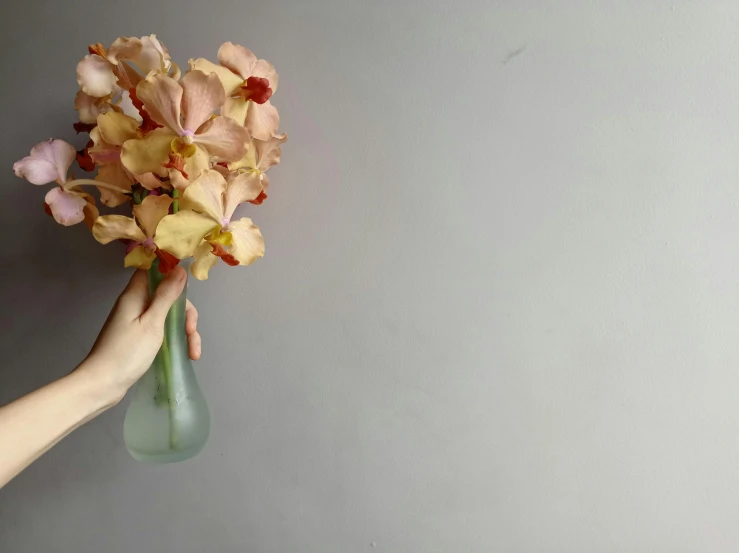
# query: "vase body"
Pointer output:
{"type": "Point", "coordinates": [168, 419]}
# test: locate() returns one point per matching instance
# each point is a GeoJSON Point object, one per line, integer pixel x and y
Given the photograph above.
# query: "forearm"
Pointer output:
{"type": "Point", "coordinates": [32, 424]}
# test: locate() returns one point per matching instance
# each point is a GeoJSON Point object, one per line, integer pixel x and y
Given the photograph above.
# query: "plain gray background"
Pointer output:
{"type": "Point", "coordinates": [498, 310]}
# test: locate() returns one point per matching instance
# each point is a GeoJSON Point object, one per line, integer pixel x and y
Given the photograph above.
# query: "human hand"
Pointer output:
{"type": "Point", "coordinates": [133, 333]}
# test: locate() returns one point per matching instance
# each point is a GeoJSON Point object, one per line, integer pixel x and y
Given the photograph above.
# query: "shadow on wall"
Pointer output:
{"type": "Point", "coordinates": [56, 287]}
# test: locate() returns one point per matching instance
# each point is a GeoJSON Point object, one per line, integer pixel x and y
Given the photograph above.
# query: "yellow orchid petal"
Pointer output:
{"type": "Point", "coordinates": [203, 261]}
{"type": "Point", "coordinates": [139, 257]}
{"type": "Point", "coordinates": [194, 167]}
{"type": "Point", "coordinates": [116, 128]}
{"type": "Point", "coordinates": [148, 154]}
{"type": "Point", "coordinates": [116, 227]}
{"type": "Point", "coordinates": [248, 243]}
{"type": "Point", "coordinates": [181, 233]}
{"type": "Point", "coordinates": [249, 161]}
{"type": "Point", "coordinates": [229, 80]}
{"type": "Point", "coordinates": [205, 195]}
{"type": "Point", "coordinates": [149, 212]}
{"type": "Point", "coordinates": [235, 108]}
{"type": "Point", "coordinates": [221, 237]}
{"type": "Point", "coordinates": [244, 187]}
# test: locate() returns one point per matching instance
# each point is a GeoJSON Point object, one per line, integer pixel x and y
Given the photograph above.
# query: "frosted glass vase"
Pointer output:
{"type": "Point", "coordinates": [168, 419]}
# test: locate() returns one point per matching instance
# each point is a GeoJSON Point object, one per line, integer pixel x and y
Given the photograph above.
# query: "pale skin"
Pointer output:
{"type": "Point", "coordinates": [33, 424]}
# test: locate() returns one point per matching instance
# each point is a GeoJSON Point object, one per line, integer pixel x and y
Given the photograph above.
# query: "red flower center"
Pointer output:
{"type": "Point", "coordinates": [256, 89]}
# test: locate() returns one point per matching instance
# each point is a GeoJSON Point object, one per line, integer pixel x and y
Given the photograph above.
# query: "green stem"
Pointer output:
{"type": "Point", "coordinates": [171, 393]}
{"type": "Point", "coordinates": [175, 203]}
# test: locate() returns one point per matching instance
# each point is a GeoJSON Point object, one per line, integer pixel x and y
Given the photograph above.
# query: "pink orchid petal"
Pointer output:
{"type": "Point", "coordinates": [67, 208]}
{"type": "Point", "coordinates": [49, 161]}
{"type": "Point", "coordinates": [203, 94]}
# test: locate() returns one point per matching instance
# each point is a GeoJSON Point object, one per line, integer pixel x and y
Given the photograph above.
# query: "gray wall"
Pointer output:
{"type": "Point", "coordinates": [498, 310]}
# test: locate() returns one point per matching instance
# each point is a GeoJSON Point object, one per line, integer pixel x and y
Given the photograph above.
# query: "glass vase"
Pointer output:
{"type": "Point", "coordinates": [168, 419]}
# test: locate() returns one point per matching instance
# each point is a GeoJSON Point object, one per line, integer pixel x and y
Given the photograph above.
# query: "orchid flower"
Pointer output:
{"type": "Point", "coordinates": [139, 230]}
{"type": "Point", "coordinates": [261, 155]}
{"type": "Point", "coordinates": [189, 136]}
{"type": "Point", "coordinates": [50, 162]}
{"type": "Point", "coordinates": [203, 228]}
{"type": "Point", "coordinates": [249, 83]}
{"type": "Point", "coordinates": [112, 130]}
{"type": "Point", "coordinates": [101, 72]}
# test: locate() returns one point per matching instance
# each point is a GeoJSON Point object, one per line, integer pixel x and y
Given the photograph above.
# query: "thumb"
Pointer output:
{"type": "Point", "coordinates": [165, 295]}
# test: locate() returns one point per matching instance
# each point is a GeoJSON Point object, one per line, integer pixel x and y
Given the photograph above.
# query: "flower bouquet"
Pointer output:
{"type": "Point", "coordinates": [183, 152]}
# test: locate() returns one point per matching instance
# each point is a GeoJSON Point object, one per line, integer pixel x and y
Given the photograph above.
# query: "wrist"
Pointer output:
{"type": "Point", "coordinates": [96, 384]}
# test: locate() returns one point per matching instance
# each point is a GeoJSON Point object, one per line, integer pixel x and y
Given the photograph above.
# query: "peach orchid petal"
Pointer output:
{"type": "Point", "coordinates": [149, 181]}
{"type": "Point", "coordinates": [149, 212]}
{"type": "Point", "coordinates": [245, 64]}
{"type": "Point", "coordinates": [203, 261]}
{"type": "Point", "coordinates": [205, 195]}
{"type": "Point", "coordinates": [223, 138]}
{"type": "Point", "coordinates": [124, 48]}
{"type": "Point", "coordinates": [116, 128]}
{"type": "Point", "coordinates": [230, 81]}
{"type": "Point", "coordinates": [181, 233]}
{"type": "Point", "coordinates": [162, 98]}
{"type": "Point", "coordinates": [149, 153]}
{"type": "Point", "coordinates": [242, 188]}
{"type": "Point", "coordinates": [115, 174]}
{"type": "Point", "coordinates": [89, 107]}
{"type": "Point", "coordinates": [95, 76]}
{"type": "Point", "coordinates": [139, 257]}
{"type": "Point", "coordinates": [202, 95]}
{"type": "Point", "coordinates": [236, 109]}
{"type": "Point", "coordinates": [116, 227]}
{"type": "Point", "coordinates": [236, 58]}
{"type": "Point", "coordinates": [67, 208]}
{"type": "Point", "coordinates": [248, 244]}
{"type": "Point", "coordinates": [269, 151]}
{"type": "Point", "coordinates": [91, 211]}
{"type": "Point", "coordinates": [49, 161]}
{"type": "Point", "coordinates": [265, 70]}
{"type": "Point", "coordinates": [262, 120]}
{"type": "Point", "coordinates": [154, 56]}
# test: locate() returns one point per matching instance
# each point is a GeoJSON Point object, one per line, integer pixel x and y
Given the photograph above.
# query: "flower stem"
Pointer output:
{"type": "Point", "coordinates": [175, 203]}
{"type": "Point", "coordinates": [80, 182]}
{"type": "Point", "coordinates": [171, 393]}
